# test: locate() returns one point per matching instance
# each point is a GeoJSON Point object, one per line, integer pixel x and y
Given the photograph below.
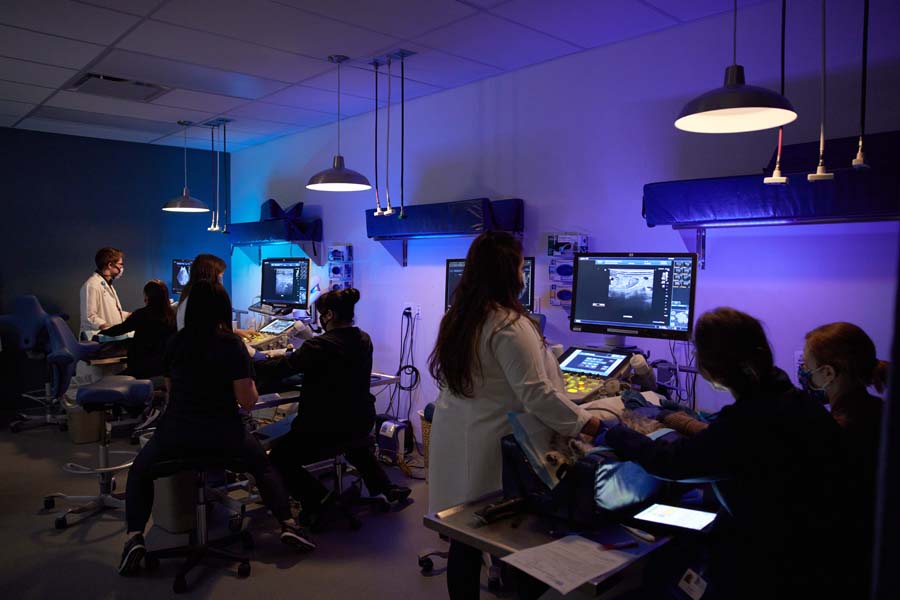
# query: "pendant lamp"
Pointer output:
{"type": "Point", "coordinates": [214, 152]}
{"type": "Point", "coordinates": [860, 161]}
{"type": "Point", "coordinates": [185, 202]}
{"type": "Point", "coordinates": [387, 147]}
{"type": "Point", "coordinates": [338, 178]}
{"type": "Point", "coordinates": [378, 211]}
{"type": "Point", "coordinates": [821, 174]}
{"type": "Point", "coordinates": [736, 107]}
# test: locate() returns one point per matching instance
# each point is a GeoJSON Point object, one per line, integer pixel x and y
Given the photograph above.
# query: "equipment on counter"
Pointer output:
{"type": "Point", "coordinates": [586, 369]}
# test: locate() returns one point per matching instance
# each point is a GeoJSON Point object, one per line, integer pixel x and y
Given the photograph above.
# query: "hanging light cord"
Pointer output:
{"type": "Point", "coordinates": [378, 210]}
{"type": "Point", "coordinates": [822, 124]}
{"type": "Point", "coordinates": [228, 189]}
{"type": "Point", "coordinates": [402, 126]}
{"type": "Point", "coordinates": [339, 107]}
{"type": "Point", "coordinates": [387, 154]}
{"type": "Point", "coordinates": [781, 129]}
{"type": "Point", "coordinates": [185, 159]}
{"type": "Point", "coordinates": [734, 37]}
{"type": "Point", "coordinates": [865, 56]}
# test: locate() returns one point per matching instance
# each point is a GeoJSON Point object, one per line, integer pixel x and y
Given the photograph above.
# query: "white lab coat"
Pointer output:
{"type": "Point", "coordinates": [99, 306]}
{"type": "Point", "coordinates": [517, 374]}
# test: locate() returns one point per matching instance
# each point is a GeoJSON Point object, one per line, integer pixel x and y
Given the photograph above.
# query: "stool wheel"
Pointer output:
{"type": "Point", "coordinates": [426, 564]}
{"type": "Point", "coordinates": [247, 541]}
{"type": "Point", "coordinates": [180, 585]}
{"type": "Point", "coordinates": [151, 562]}
{"type": "Point", "coordinates": [244, 569]}
{"type": "Point", "coordinates": [49, 502]}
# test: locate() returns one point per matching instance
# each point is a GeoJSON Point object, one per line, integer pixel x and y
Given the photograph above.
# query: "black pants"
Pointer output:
{"type": "Point", "coordinates": [463, 572]}
{"type": "Point", "coordinates": [297, 448]}
{"type": "Point", "coordinates": [174, 440]}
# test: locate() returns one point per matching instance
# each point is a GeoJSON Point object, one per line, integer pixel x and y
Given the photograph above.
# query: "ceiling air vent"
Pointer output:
{"type": "Point", "coordinates": [116, 87]}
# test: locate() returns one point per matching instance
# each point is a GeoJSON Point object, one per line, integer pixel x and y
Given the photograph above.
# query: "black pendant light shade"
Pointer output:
{"type": "Point", "coordinates": [338, 179]}
{"type": "Point", "coordinates": [185, 202]}
{"type": "Point", "coordinates": [735, 107]}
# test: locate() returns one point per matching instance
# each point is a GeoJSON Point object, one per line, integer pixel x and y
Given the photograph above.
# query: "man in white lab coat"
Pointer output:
{"type": "Point", "coordinates": [100, 306]}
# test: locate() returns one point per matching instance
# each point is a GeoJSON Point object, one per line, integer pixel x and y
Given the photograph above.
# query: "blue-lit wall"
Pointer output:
{"type": "Point", "coordinates": [577, 138]}
{"type": "Point", "coordinates": [63, 197]}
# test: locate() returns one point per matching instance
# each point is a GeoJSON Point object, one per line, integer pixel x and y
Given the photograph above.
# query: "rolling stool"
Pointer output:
{"type": "Point", "coordinates": [200, 547]}
{"type": "Point", "coordinates": [110, 394]}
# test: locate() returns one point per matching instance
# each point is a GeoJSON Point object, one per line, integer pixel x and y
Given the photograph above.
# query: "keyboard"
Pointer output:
{"type": "Point", "coordinates": [579, 383]}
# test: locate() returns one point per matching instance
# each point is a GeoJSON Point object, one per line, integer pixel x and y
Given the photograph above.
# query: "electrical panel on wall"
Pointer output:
{"type": "Point", "coordinates": [340, 266]}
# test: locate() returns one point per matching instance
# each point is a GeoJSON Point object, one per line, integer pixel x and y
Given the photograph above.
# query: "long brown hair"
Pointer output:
{"type": "Point", "coordinates": [490, 281]}
{"type": "Point", "coordinates": [850, 351]}
{"type": "Point", "coordinates": [733, 350]}
{"type": "Point", "coordinates": [157, 293]}
{"type": "Point", "coordinates": [205, 267]}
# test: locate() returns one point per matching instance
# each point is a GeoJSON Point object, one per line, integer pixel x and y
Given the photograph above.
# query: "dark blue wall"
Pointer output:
{"type": "Point", "coordinates": [63, 197]}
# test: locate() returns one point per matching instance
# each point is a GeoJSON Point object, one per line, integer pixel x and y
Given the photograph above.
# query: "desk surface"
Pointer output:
{"type": "Point", "coordinates": [509, 535]}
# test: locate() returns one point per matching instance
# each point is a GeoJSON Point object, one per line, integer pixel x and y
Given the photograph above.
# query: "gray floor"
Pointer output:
{"type": "Point", "coordinates": [38, 561]}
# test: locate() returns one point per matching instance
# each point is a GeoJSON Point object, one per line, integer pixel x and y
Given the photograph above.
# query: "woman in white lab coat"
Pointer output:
{"type": "Point", "coordinates": [489, 359]}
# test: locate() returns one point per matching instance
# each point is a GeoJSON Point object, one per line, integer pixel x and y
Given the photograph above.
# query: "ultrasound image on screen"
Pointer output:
{"type": "Point", "coordinates": [631, 289]}
{"type": "Point", "coordinates": [284, 282]}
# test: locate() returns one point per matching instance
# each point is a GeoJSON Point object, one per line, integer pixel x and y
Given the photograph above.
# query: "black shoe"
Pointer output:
{"type": "Point", "coordinates": [296, 537]}
{"type": "Point", "coordinates": [132, 555]}
{"type": "Point", "coordinates": [396, 493]}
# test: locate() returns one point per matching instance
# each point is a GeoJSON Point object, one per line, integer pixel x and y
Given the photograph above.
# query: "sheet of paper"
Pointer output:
{"type": "Point", "coordinates": [567, 563]}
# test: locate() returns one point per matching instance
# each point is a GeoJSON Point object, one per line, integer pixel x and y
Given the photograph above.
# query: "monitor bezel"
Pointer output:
{"type": "Point", "coordinates": [528, 259]}
{"type": "Point", "coordinates": [172, 289]}
{"type": "Point", "coordinates": [262, 266]}
{"type": "Point", "coordinates": [648, 332]}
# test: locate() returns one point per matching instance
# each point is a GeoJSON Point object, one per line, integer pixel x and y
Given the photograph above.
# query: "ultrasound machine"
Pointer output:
{"type": "Point", "coordinates": [284, 287]}
{"type": "Point", "coordinates": [648, 295]}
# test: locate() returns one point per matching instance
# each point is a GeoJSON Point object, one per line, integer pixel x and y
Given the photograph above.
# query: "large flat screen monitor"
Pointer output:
{"type": "Point", "coordinates": [181, 274]}
{"type": "Point", "coordinates": [634, 294]}
{"type": "Point", "coordinates": [285, 282]}
{"type": "Point", "coordinates": [455, 267]}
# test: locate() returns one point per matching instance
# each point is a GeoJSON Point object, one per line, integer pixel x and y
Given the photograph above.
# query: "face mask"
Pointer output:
{"type": "Point", "coordinates": [804, 376]}
{"type": "Point", "coordinates": [323, 322]}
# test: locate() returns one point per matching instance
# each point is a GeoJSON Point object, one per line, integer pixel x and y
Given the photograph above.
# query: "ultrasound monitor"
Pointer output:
{"type": "Point", "coordinates": [181, 274]}
{"type": "Point", "coordinates": [285, 282]}
{"type": "Point", "coordinates": [634, 294]}
{"type": "Point", "coordinates": [455, 267]}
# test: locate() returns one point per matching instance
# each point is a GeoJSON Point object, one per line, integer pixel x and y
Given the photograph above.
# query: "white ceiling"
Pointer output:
{"type": "Point", "coordinates": [263, 63]}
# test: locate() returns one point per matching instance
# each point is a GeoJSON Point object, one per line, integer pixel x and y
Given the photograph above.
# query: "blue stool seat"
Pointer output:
{"type": "Point", "coordinates": [113, 391]}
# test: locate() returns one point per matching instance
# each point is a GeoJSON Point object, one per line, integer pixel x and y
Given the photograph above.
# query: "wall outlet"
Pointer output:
{"type": "Point", "coordinates": [406, 305]}
{"type": "Point", "coordinates": [417, 311]}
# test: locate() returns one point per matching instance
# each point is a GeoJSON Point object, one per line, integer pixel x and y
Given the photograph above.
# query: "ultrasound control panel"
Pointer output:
{"type": "Point", "coordinates": [585, 369]}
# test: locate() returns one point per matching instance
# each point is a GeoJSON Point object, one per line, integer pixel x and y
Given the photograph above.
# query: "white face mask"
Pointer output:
{"type": "Point", "coordinates": [718, 386]}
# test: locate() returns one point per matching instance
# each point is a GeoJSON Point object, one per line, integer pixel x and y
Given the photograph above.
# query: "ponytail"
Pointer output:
{"type": "Point", "coordinates": [880, 375]}
{"type": "Point", "coordinates": [340, 302]}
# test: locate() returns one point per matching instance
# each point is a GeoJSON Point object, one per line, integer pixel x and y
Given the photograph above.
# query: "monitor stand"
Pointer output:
{"type": "Point", "coordinates": [616, 343]}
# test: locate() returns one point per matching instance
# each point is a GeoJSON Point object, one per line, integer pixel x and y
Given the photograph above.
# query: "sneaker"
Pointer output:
{"type": "Point", "coordinates": [132, 555]}
{"type": "Point", "coordinates": [396, 493]}
{"type": "Point", "coordinates": [296, 537]}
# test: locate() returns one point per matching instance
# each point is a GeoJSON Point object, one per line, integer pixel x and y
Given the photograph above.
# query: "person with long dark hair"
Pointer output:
{"type": "Point", "coordinates": [209, 375]}
{"type": "Point", "coordinates": [783, 467]}
{"type": "Point", "coordinates": [335, 408]}
{"type": "Point", "coordinates": [152, 325]}
{"type": "Point", "coordinates": [205, 267]}
{"type": "Point", "coordinates": [489, 360]}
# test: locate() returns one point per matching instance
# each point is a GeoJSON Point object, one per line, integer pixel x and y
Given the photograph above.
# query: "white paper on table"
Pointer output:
{"type": "Point", "coordinates": [567, 563]}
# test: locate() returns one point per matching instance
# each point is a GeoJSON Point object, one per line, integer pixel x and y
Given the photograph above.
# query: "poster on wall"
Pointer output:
{"type": "Point", "coordinates": [566, 244]}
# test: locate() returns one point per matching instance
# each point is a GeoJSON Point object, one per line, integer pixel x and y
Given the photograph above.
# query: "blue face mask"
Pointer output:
{"type": "Point", "coordinates": [804, 376]}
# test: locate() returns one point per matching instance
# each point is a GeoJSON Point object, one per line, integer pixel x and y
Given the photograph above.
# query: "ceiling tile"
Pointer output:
{"type": "Point", "coordinates": [235, 138]}
{"type": "Point", "coordinates": [14, 109]}
{"type": "Point", "coordinates": [23, 71]}
{"type": "Point", "coordinates": [85, 130]}
{"type": "Point", "coordinates": [21, 92]}
{"type": "Point", "coordinates": [176, 74]}
{"type": "Point", "coordinates": [444, 70]}
{"type": "Point", "coordinates": [486, 3]}
{"type": "Point", "coordinates": [282, 114]}
{"type": "Point", "coordinates": [67, 19]}
{"type": "Point", "coordinates": [220, 52]}
{"type": "Point", "coordinates": [7, 120]}
{"type": "Point", "coordinates": [489, 39]}
{"type": "Point", "coordinates": [135, 7]}
{"type": "Point", "coordinates": [279, 26]}
{"type": "Point", "coordinates": [360, 81]}
{"type": "Point", "coordinates": [322, 100]}
{"type": "Point", "coordinates": [178, 141]}
{"type": "Point", "coordinates": [212, 103]}
{"type": "Point", "coordinates": [697, 9]}
{"type": "Point", "coordinates": [125, 108]}
{"type": "Point", "coordinates": [105, 120]}
{"type": "Point", "coordinates": [398, 18]}
{"type": "Point", "coordinates": [260, 126]}
{"type": "Point", "coordinates": [587, 23]}
{"type": "Point", "coordinates": [28, 45]}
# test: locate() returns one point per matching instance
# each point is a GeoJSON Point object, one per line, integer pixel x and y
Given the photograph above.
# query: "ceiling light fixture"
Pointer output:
{"type": "Point", "coordinates": [736, 107]}
{"type": "Point", "coordinates": [185, 202]}
{"type": "Point", "coordinates": [821, 174]}
{"type": "Point", "coordinates": [777, 178]}
{"type": "Point", "coordinates": [214, 153]}
{"type": "Point", "coordinates": [338, 178]}
{"type": "Point", "coordinates": [860, 161]}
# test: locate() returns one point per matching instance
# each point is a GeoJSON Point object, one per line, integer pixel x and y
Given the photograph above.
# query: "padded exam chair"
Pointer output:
{"type": "Point", "coordinates": [28, 324]}
{"type": "Point", "coordinates": [112, 395]}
